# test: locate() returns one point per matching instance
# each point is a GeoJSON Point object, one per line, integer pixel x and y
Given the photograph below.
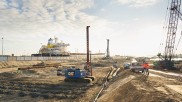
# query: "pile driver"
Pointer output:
{"type": "Point", "coordinates": [81, 75]}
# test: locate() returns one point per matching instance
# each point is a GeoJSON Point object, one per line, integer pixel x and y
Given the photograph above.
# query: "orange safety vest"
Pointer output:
{"type": "Point", "coordinates": [145, 65]}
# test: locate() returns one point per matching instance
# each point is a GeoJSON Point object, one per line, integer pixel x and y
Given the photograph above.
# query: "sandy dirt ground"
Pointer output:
{"type": "Point", "coordinates": [43, 85]}
{"type": "Point", "coordinates": [136, 87]}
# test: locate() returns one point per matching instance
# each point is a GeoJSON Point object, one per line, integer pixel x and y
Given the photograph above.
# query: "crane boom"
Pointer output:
{"type": "Point", "coordinates": [172, 29]}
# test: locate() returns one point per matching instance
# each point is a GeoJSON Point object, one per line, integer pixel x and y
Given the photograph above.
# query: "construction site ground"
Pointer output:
{"type": "Point", "coordinates": [41, 84]}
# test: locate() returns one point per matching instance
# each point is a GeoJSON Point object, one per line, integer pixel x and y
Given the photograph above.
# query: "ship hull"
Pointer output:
{"type": "Point", "coordinates": [48, 55]}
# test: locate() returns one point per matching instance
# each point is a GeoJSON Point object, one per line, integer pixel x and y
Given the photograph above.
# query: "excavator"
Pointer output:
{"type": "Point", "coordinates": [85, 75]}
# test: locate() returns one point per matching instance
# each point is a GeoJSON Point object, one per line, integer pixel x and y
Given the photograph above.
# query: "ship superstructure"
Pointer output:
{"type": "Point", "coordinates": [54, 48]}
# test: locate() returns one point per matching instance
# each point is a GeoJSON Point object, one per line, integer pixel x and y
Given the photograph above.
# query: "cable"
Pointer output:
{"type": "Point", "coordinates": [164, 31]}
{"type": "Point", "coordinates": [179, 41]}
{"type": "Point", "coordinates": [166, 15]}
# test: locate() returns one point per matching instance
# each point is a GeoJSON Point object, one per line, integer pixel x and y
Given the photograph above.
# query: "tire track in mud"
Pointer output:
{"type": "Point", "coordinates": [168, 83]}
{"type": "Point", "coordinates": [167, 76]}
{"type": "Point", "coordinates": [12, 86]}
{"type": "Point", "coordinates": [40, 90]}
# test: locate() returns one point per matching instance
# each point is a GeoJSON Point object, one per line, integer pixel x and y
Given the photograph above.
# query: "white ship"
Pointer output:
{"type": "Point", "coordinates": [54, 48]}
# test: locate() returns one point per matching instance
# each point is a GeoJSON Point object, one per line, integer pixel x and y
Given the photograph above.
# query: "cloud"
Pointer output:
{"type": "Point", "coordinates": [137, 3]}
{"type": "Point", "coordinates": [103, 10]}
{"type": "Point", "coordinates": [28, 15]}
{"type": "Point", "coordinates": [27, 23]}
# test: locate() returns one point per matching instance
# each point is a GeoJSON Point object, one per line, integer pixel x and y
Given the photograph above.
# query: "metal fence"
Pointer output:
{"type": "Point", "coordinates": [31, 58]}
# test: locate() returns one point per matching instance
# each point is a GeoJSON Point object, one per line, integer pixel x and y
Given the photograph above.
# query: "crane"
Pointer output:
{"type": "Point", "coordinates": [174, 16]}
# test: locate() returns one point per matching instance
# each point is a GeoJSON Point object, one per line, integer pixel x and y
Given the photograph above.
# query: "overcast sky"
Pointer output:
{"type": "Point", "coordinates": [134, 27]}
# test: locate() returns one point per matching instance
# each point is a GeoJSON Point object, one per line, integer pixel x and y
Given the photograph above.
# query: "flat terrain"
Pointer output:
{"type": "Point", "coordinates": [41, 84]}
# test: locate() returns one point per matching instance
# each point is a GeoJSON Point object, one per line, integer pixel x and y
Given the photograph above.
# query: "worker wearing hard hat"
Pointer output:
{"type": "Point", "coordinates": [145, 68]}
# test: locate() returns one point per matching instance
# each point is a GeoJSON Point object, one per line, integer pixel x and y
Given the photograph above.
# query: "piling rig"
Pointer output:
{"type": "Point", "coordinates": [81, 75]}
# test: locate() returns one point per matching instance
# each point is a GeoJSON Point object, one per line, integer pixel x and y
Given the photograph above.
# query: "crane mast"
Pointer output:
{"type": "Point", "coordinates": [171, 33]}
{"type": "Point", "coordinates": [172, 29]}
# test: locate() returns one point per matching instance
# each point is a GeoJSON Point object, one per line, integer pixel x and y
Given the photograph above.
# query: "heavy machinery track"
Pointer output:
{"type": "Point", "coordinates": [79, 80]}
{"type": "Point", "coordinates": [40, 90]}
{"type": "Point", "coordinates": [167, 76]}
{"type": "Point", "coordinates": [23, 88]}
{"type": "Point", "coordinates": [43, 84]}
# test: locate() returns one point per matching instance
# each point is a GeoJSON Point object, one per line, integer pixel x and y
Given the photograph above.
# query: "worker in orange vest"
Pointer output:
{"type": "Point", "coordinates": [146, 68]}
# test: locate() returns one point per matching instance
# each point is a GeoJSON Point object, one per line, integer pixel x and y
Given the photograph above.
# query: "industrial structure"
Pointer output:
{"type": "Point", "coordinates": [107, 51]}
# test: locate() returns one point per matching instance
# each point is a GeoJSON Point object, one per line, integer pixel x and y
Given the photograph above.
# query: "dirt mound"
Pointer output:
{"type": "Point", "coordinates": [133, 87]}
{"type": "Point", "coordinates": [130, 92]}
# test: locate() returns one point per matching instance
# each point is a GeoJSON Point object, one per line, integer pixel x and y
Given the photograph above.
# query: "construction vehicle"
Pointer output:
{"type": "Point", "coordinates": [78, 75]}
{"type": "Point", "coordinates": [163, 63]}
{"type": "Point", "coordinates": [81, 75]}
{"type": "Point", "coordinates": [166, 59]}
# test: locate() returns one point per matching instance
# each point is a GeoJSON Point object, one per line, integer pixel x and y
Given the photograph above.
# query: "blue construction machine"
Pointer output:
{"type": "Point", "coordinates": [77, 75]}
{"type": "Point", "coordinates": [81, 75]}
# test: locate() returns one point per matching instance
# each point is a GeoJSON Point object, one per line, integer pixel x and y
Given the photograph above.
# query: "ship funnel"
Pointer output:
{"type": "Point", "coordinates": [56, 40]}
